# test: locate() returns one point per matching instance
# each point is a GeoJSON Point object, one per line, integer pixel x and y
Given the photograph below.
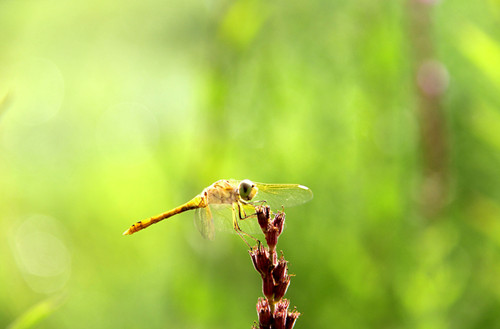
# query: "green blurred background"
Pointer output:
{"type": "Point", "coordinates": [116, 111]}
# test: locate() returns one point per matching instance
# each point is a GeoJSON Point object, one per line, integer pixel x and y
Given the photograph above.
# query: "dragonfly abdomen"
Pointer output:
{"type": "Point", "coordinates": [197, 202]}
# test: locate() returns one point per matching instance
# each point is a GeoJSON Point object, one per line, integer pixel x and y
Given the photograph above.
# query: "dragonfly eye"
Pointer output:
{"type": "Point", "coordinates": [247, 190]}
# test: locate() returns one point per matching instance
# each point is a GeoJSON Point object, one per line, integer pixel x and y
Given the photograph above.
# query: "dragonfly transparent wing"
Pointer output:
{"type": "Point", "coordinates": [282, 195]}
{"type": "Point", "coordinates": [223, 218]}
{"type": "Point", "coordinates": [204, 222]}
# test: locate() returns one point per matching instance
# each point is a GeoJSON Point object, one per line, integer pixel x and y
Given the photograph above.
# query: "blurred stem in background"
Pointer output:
{"type": "Point", "coordinates": [4, 103]}
{"type": "Point", "coordinates": [431, 78]}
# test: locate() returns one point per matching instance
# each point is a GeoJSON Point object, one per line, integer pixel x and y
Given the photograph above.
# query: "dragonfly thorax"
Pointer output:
{"type": "Point", "coordinates": [221, 192]}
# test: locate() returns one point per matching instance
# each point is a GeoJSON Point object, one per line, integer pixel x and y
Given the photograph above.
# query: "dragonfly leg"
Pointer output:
{"type": "Point", "coordinates": [242, 214]}
{"type": "Point", "coordinates": [254, 203]}
{"type": "Point", "coordinates": [241, 211]}
{"type": "Point", "coordinates": [237, 228]}
{"type": "Point", "coordinates": [259, 202]}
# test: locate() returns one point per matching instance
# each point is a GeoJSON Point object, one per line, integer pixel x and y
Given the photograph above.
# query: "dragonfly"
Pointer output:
{"type": "Point", "coordinates": [234, 200]}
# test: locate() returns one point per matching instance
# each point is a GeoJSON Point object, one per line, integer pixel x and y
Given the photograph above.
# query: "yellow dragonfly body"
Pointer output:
{"type": "Point", "coordinates": [231, 198]}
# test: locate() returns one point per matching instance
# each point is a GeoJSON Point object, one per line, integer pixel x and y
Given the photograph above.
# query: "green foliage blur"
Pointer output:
{"type": "Point", "coordinates": [111, 112]}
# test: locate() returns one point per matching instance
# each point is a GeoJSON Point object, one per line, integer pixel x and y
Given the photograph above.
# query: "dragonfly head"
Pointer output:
{"type": "Point", "coordinates": [247, 190]}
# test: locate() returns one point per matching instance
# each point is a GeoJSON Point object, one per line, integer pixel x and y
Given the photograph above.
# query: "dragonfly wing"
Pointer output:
{"type": "Point", "coordinates": [283, 195]}
{"type": "Point", "coordinates": [204, 222]}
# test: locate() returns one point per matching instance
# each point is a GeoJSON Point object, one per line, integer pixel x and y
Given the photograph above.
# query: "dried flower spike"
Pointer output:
{"type": "Point", "coordinates": [264, 312]}
{"type": "Point", "coordinates": [261, 259]}
{"type": "Point", "coordinates": [272, 310]}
